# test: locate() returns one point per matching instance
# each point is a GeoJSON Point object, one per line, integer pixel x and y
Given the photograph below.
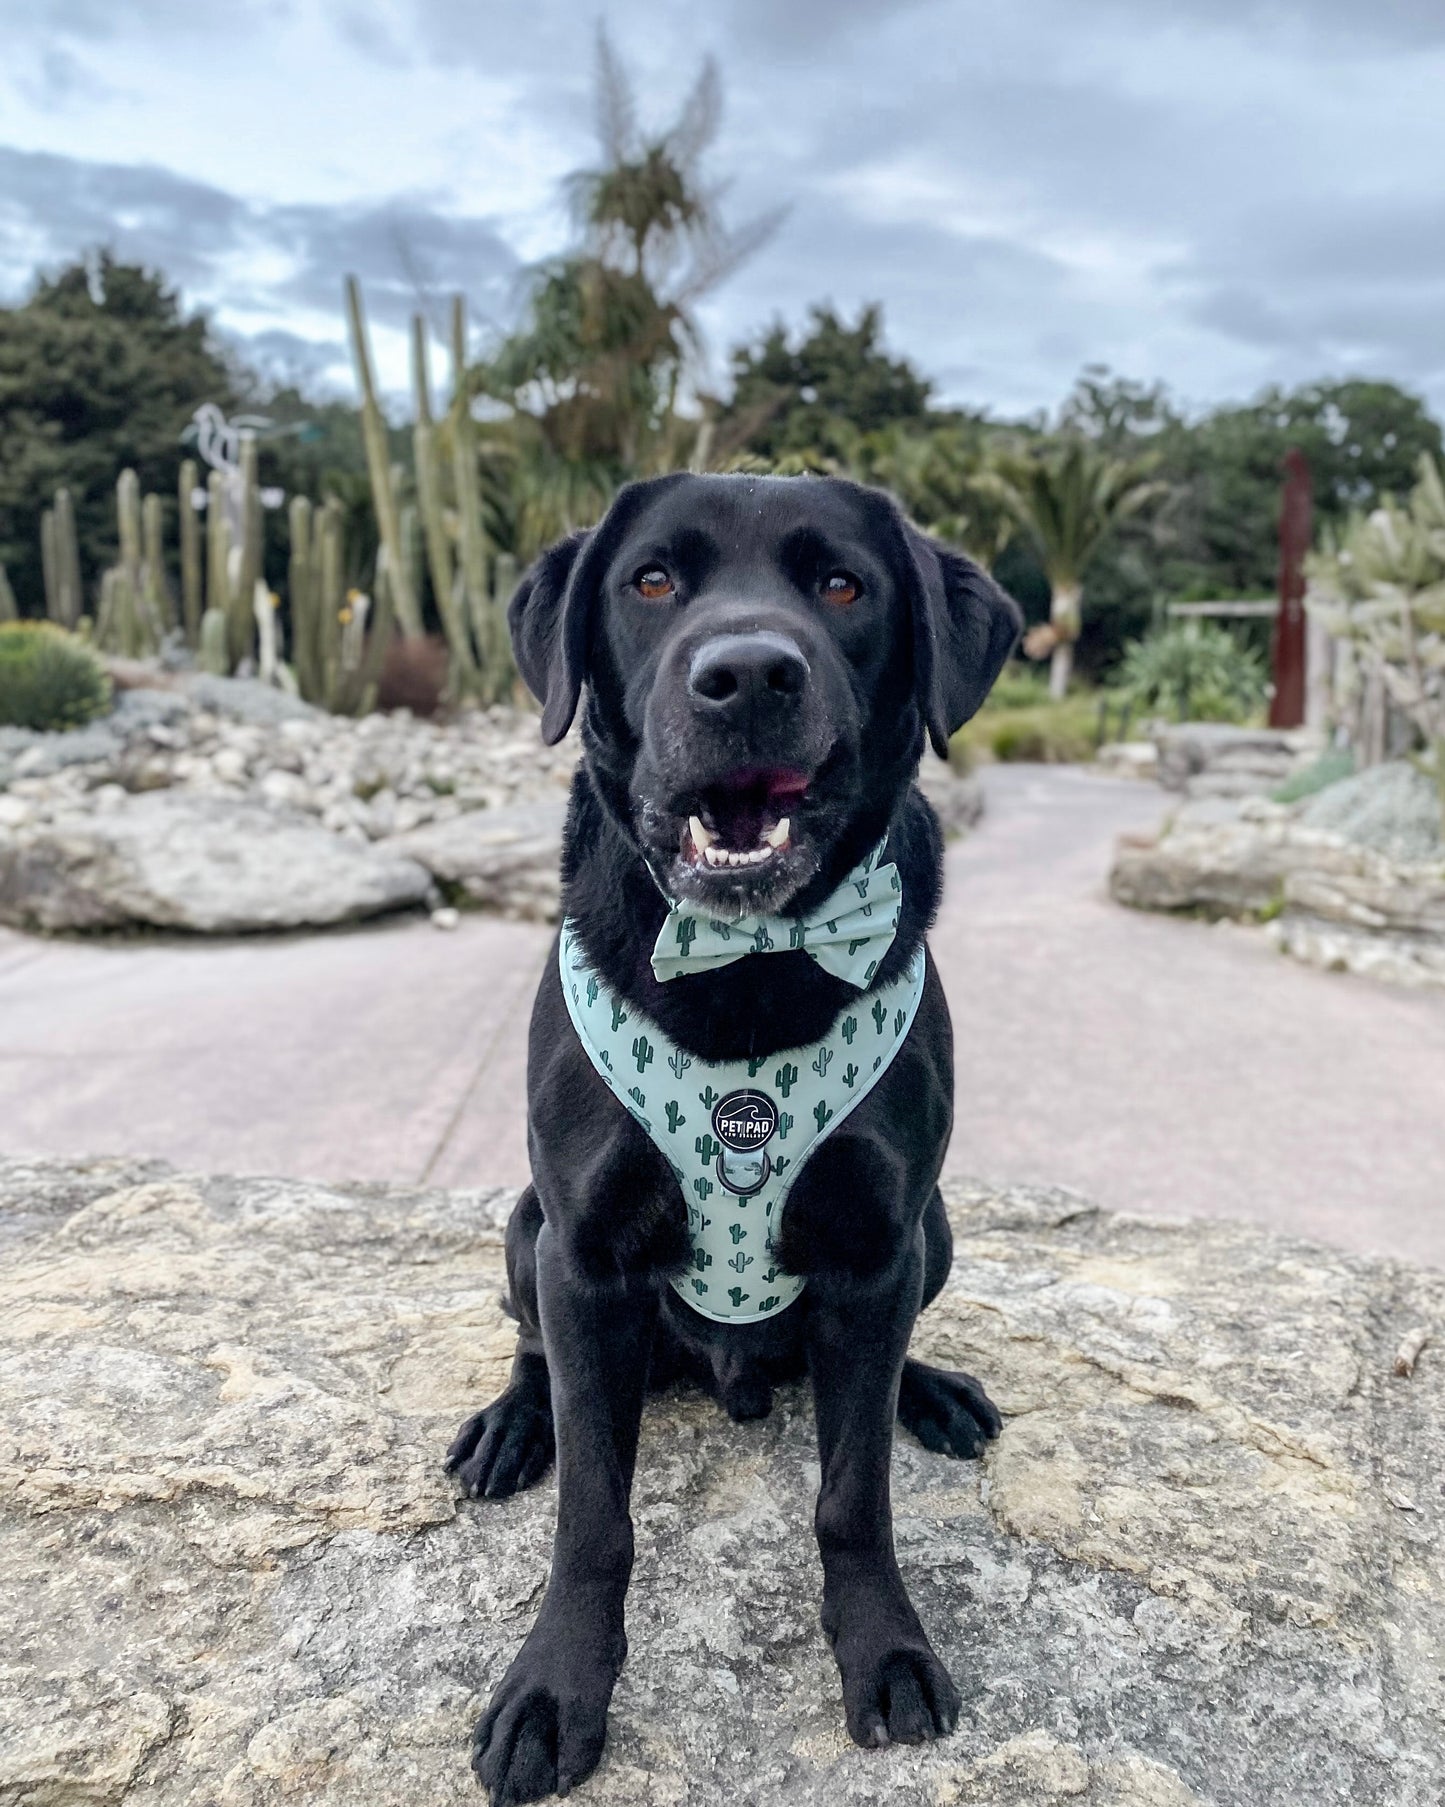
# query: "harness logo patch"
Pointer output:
{"type": "Point", "coordinates": [743, 1122]}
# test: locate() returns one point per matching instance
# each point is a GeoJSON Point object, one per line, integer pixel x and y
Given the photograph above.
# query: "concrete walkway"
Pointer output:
{"type": "Point", "coordinates": [1157, 1065]}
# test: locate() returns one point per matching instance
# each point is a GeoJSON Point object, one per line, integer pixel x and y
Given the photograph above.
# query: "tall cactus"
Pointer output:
{"type": "Point", "coordinates": [190, 532]}
{"type": "Point", "coordinates": [243, 559]}
{"type": "Point", "coordinates": [60, 558]}
{"type": "Point", "coordinates": [430, 501]}
{"type": "Point", "coordinates": [218, 559]}
{"type": "Point", "coordinates": [303, 591]}
{"type": "Point", "coordinates": [156, 589]}
{"type": "Point", "coordinates": [471, 541]}
{"type": "Point", "coordinates": [49, 564]}
{"type": "Point", "coordinates": [67, 550]}
{"type": "Point", "coordinates": [378, 463]}
{"type": "Point", "coordinates": [211, 645]}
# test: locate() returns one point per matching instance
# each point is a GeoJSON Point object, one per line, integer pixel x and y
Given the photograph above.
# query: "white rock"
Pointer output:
{"type": "Point", "coordinates": [169, 860]}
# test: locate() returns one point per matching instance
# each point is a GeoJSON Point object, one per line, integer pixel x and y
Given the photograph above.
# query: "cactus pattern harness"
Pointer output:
{"type": "Point", "coordinates": [736, 1133]}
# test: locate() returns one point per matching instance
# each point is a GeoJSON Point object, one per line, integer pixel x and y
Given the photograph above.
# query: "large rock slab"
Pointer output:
{"type": "Point", "coordinates": [1202, 1567]}
{"type": "Point", "coordinates": [210, 865]}
{"type": "Point", "coordinates": [499, 859]}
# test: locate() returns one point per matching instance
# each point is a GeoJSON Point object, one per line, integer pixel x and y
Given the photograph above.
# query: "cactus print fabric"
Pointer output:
{"type": "Point", "coordinates": [736, 1133]}
{"type": "Point", "coordinates": [848, 936]}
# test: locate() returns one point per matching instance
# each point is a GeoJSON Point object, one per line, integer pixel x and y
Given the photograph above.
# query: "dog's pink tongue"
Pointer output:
{"type": "Point", "coordinates": [749, 803]}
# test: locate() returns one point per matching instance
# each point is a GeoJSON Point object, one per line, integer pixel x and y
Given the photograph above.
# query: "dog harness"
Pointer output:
{"type": "Point", "coordinates": [736, 1133]}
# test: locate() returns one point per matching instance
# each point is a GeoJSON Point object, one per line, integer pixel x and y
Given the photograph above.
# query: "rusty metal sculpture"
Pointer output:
{"type": "Point", "coordinates": [1287, 704]}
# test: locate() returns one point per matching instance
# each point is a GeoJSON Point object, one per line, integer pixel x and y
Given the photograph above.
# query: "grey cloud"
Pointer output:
{"type": "Point", "coordinates": [1382, 238]}
{"type": "Point", "coordinates": [288, 358]}
{"type": "Point", "coordinates": [1327, 24]}
{"type": "Point", "coordinates": [404, 249]}
{"type": "Point", "coordinates": [406, 253]}
{"type": "Point", "coordinates": [145, 213]}
{"type": "Point", "coordinates": [1248, 315]}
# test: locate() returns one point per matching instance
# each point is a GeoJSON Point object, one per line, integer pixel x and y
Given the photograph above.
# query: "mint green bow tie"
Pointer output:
{"type": "Point", "coordinates": [848, 936]}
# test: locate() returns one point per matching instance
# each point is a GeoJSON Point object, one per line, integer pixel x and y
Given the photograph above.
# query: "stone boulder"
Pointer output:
{"type": "Point", "coordinates": [1215, 759]}
{"type": "Point", "coordinates": [1351, 878]}
{"type": "Point", "coordinates": [1128, 759]}
{"type": "Point", "coordinates": [205, 864]}
{"type": "Point", "coordinates": [1204, 1566]}
{"type": "Point", "coordinates": [499, 859]}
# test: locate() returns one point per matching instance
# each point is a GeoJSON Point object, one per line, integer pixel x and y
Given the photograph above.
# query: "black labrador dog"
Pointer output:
{"type": "Point", "coordinates": [763, 658]}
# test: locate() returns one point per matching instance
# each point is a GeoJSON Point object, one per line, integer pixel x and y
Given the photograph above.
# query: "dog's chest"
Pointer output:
{"type": "Point", "coordinates": [736, 1134]}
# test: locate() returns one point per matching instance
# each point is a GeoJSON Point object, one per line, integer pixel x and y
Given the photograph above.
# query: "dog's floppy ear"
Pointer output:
{"type": "Point", "coordinates": [964, 627]}
{"type": "Point", "coordinates": [549, 618]}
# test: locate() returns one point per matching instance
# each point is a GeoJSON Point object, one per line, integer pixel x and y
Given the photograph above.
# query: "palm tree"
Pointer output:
{"type": "Point", "coordinates": [1066, 495]}
{"type": "Point", "coordinates": [610, 339]}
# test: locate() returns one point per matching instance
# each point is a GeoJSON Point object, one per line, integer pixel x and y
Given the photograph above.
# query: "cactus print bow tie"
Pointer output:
{"type": "Point", "coordinates": [848, 936]}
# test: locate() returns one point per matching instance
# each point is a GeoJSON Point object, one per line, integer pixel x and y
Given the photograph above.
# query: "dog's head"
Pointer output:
{"type": "Point", "coordinates": [763, 657]}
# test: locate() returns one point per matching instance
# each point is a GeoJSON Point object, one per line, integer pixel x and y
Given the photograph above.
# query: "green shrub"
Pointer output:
{"type": "Point", "coordinates": [1194, 671]}
{"type": "Point", "coordinates": [1044, 733]}
{"type": "Point", "coordinates": [1019, 686]}
{"type": "Point", "coordinates": [49, 680]}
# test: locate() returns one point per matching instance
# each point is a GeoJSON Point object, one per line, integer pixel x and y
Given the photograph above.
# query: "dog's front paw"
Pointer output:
{"type": "Point", "coordinates": [504, 1448]}
{"type": "Point", "coordinates": [948, 1413]}
{"type": "Point", "coordinates": [904, 1696]}
{"type": "Point", "coordinates": [547, 1723]}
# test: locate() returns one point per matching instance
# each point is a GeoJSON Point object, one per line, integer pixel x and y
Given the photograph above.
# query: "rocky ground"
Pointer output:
{"type": "Point", "coordinates": [1351, 878]}
{"type": "Point", "coordinates": [220, 806]}
{"type": "Point", "coordinates": [1217, 759]}
{"type": "Point", "coordinates": [1201, 1568]}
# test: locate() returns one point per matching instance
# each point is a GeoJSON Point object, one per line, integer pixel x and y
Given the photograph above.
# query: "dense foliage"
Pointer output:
{"type": "Point", "coordinates": [99, 371]}
{"type": "Point", "coordinates": [49, 680]}
{"type": "Point", "coordinates": [1193, 671]}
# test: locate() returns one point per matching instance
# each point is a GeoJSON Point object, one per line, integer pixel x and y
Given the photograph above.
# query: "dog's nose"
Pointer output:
{"type": "Point", "coordinates": [735, 671]}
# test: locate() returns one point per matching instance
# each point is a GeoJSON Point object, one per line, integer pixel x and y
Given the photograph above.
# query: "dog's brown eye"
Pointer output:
{"type": "Point", "coordinates": [653, 583]}
{"type": "Point", "coordinates": [841, 587]}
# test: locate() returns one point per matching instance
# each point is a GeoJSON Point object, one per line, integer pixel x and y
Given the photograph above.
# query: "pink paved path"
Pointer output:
{"type": "Point", "coordinates": [1156, 1065]}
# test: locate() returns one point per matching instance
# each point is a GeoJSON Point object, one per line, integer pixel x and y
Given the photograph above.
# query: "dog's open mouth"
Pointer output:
{"type": "Point", "coordinates": [745, 819]}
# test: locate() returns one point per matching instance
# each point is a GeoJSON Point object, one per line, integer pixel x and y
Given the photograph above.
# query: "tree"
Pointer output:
{"type": "Point", "coordinates": [1067, 495]}
{"type": "Point", "coordinates": [1362, 441]}
{"type": "Point", "coordinates": [817, 398]}
{"type": "Point", "coordinates": [593, 377]}
{"type": "Point", "coordinates": [99, 370]}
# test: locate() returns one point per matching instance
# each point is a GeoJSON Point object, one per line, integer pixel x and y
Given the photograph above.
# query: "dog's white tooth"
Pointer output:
{"type": "Point", "coordinates": [777, 836]}
{"type": "Point", "coordinates": [715, 856]}
{"type": "Point", "coordinates": [702, 838]}
{"type": "Point", "coordinates": [735, 859]}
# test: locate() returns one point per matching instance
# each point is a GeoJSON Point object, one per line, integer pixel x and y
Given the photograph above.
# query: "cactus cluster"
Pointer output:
{"type": "Point", "coordinates": [448, 507]}
{"type": "Point", "coordinates": [222, 605]}
{"type": "Point", "coordinates": [338, 636]}
{"type": "Point", "coordinates": [134, 607]}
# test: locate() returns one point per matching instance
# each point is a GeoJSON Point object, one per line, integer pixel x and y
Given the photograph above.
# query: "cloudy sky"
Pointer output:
{"type": "Point", "coordinates": [1215, 193]}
